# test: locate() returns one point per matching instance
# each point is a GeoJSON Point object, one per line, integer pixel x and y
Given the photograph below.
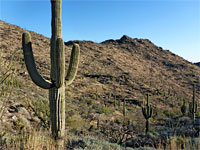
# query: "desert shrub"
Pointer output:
{"type": "Point", "coordinates": [87, 100]}
{"type": "Point", "coordinates": [172, 113]}
{"type": "Point", "coordinates": [95, 144]}
{"type": "Point", "coordinates": [117, 121]}
{"type": "Point", "coordinates": [106, 110]}
{"type": "Point", "coordinates": [41, 110]}
{"type": "Point", "coordinates": [76, 123]}
{"type": "Point", "coordinates": [198, 114]}
{"type": "Point", "coordinates": [97, 107]}
{"type": "Point", "coordinates": [8, 81]}
{"type": "Point", "coordinates": [117, 132]}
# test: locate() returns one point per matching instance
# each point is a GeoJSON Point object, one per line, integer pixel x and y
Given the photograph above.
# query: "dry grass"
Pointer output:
{"type": "Point", "coordinates": [177, 143]}
{"type": "Point", "coordinates": [41, 140]}
{"type": "Point", "coordinates": [33, 140]}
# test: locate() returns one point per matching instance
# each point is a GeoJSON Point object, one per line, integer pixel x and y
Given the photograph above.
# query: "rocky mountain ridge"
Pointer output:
{"type": "Point", "coordinates": [198, 64]}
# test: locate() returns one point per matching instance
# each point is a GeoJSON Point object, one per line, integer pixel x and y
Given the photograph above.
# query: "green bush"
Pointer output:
{"type": "Point", "coordinates": [106, 110]}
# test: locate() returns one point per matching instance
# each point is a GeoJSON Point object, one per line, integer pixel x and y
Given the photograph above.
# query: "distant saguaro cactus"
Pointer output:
{"type": "Point", "coordinates": [124, 109]}
{"type": "Point", "coordinates": [57, 84]}
{"type": "Point", "coordinates": [147, 113]}
{"type": "Point", "coordinates": [193, 105]}
{"type": "Point", "coordinates": [114, 101]}
{"type": "Point", "coordinates": [183, 108]}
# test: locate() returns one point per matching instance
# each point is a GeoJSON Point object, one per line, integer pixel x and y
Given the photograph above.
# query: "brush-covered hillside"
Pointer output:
{"type": "Point", "coordinates": [113, 79]}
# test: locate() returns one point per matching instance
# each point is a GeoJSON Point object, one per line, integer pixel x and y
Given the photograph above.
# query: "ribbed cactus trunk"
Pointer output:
{"type": "Point", "coordinates": [57, 93]}
{"type": "Point", "coordinates": [193, 106]}
{"type": "Point", "coordinates": [58, 80]}
{"type": "Point", "coordinates": [124, 110]}
{"type": "Point", "coordinates": [147, 112]}
{"type": "Point", "coordinates": [147, 126]}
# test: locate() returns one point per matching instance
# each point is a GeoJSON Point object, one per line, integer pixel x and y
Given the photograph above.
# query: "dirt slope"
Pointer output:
{"type": "Point", "coordinates": [126, 68]}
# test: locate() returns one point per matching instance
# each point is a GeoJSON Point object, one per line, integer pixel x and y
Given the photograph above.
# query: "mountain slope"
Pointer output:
{"type": "Point", "coordinates": [127, 68]}
{"type": "Point", "coordinates": [143, 65]}
{"type": "Point", "coordinates": [198, 64]}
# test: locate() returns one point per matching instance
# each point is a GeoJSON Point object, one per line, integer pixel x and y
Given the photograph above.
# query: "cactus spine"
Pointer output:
{"type": "Point", "coordinates": [193, 105]}
{"type": "Point", "coordinates": [147, 113]}
{"type": "Point", "coordinates": [57, 84]}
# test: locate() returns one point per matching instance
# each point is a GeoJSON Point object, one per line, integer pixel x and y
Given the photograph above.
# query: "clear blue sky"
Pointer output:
{"type": "Point", "coordinates": [171, 24]}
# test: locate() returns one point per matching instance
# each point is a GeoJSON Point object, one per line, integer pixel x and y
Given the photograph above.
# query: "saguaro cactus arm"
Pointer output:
{"type": "Point", "coordinates": [147, 111]}
{"type": "Point", "coordinates": [30, 63]}
{"type": "Point", "coordinates": [73, 65]}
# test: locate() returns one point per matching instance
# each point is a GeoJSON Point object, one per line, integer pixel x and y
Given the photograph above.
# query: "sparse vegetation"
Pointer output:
{"type": "Point", "coordinates": [7, 82]}
{"type": "Point", "coordinates": [110, 72]}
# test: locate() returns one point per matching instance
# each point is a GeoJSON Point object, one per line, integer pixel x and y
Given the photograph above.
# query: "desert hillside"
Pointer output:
{"type": "Point", "coordinates": [198, 64]}
{"type": "Point", "coordinates": [109, 73]}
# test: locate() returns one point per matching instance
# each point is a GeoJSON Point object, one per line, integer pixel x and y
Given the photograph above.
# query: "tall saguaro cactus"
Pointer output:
{"type": "Point", "coordinates": [193, 105]}
{"type": "Point", "coordinates": [58, 80]}
{"type": "Point", "coordinates": [147, 113]}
